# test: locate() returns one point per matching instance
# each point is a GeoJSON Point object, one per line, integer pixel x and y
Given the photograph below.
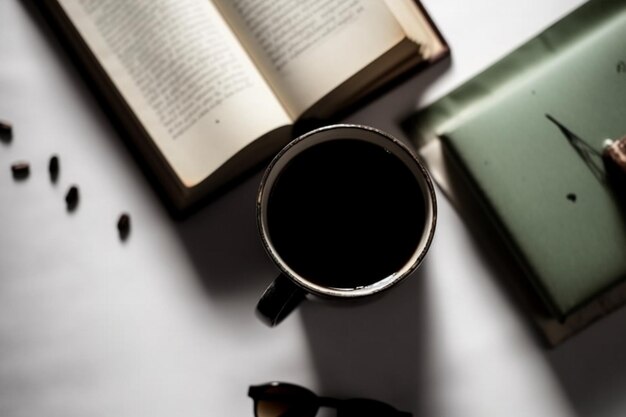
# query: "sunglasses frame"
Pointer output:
{"type": "Point", "coordinates": [311, 402]}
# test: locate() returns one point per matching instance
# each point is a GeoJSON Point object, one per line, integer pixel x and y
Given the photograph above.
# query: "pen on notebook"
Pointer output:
{"type": "Point", "coordinates": [614, 159]}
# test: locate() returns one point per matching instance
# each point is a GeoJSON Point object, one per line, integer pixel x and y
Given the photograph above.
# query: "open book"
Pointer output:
{"type": "Point", "coordinates": [208, 89]}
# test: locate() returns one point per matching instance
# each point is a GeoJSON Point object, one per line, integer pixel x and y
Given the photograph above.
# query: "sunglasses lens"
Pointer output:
{"type": "Point", "coordinates": [286, 400]}
{"type": "Point", "coordinates": [268, 408]}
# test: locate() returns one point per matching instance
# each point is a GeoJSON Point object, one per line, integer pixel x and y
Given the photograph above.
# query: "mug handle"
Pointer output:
{"type": "Point", "coordinates": [279, 299]}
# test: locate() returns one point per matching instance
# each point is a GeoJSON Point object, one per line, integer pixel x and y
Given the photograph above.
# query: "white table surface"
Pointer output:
{"type": "Point", "coordinates": [163, 324]}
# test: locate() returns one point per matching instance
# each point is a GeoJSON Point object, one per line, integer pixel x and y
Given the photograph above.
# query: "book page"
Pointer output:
{"type": "Point", "coordinates": [307, 48]}
{"type": "Point", "coordinates": [183, 74]}
{"type": "Point", "coordinates": [416, 26]}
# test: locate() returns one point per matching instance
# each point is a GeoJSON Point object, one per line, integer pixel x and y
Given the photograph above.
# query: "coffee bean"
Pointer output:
{"type": "Point", "coordinates": [123, 226]}
{"type": "Point", "coordinates": [20, 170]}
{"type": "Point", "coordinates": [5, 126]}
{"type": "Point", "coordinates": [6, 130]}
{"type": "Point", "coordinates": [71, 198]}
{"type": "Point", "coordinates": [53, 168]}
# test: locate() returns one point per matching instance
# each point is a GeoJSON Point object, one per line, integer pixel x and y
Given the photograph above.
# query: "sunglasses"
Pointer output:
{"type": "Point", "coordinates": [279, 399]}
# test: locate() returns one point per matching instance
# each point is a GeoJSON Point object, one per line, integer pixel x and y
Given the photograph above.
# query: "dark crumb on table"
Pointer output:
{"type": "Point", "coordinates": [71, 198]}
{"type": "Point", "coordinates": [20, 170]}
{"type": "Point", "coordinates": [123, 226]}
{"type": "Point", "coordinates": [571, 197]}
{"type": "Point", "coordinates": [53, 168]}
{"type": "Point", "coordinates": [6, 131]}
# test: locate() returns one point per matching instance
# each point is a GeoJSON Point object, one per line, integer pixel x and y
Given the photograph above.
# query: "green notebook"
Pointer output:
{"type": "Point", "coordinates": [545, 191]}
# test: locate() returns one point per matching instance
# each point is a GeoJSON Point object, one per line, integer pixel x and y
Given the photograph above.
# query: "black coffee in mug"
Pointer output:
{"type": "Point", "coordinates": [346, 213]}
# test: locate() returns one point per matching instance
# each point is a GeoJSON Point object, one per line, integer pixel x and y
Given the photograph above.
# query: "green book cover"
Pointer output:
{"type": "Point", "coordinates": [546, 190]}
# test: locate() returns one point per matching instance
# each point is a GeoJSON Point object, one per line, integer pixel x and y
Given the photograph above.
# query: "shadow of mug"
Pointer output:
{"type": "Point", "coordinates": [344, 212]}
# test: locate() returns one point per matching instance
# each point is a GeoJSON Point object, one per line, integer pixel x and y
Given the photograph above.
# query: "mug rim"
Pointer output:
{"type": "Point", "coordinates": [420, 251]}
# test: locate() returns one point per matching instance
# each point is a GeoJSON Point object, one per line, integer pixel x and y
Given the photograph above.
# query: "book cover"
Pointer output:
{"type": "Point", "coordinates": [527, 136]}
